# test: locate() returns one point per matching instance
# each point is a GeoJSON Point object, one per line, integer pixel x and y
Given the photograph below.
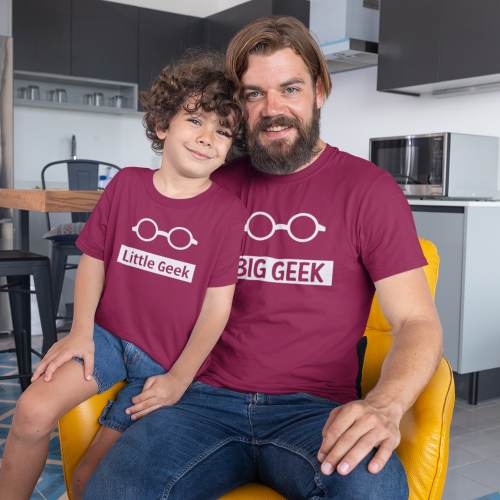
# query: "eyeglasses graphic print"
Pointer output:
{"type": "Point", "coordinates": [301, 227]}
{"type": "Point", "coordinates": [179, 238]}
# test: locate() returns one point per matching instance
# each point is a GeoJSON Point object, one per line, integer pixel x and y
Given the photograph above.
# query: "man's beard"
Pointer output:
{"type": "Point", "coordinates": [279, 157]}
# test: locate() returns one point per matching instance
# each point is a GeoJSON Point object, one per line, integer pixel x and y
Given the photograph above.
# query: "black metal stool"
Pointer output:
{"type": "Point", "coordinates": [17, 266]}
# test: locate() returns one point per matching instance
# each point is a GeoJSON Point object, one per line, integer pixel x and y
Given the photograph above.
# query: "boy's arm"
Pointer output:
{"type": "Point", "coordinates": [206, 332]}
{"type": "Point", "coordinates": [88, 288]}
{"type": "Point", "coordinates": [167, 389]}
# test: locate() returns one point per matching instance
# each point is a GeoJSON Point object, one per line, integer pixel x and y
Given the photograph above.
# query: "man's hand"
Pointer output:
{"type": "Point", "coordinates": [353, 430]}
{"type": "Point", "coordinates": [158, 391]}
{"type": "Point", "coordinates": [76, 344]}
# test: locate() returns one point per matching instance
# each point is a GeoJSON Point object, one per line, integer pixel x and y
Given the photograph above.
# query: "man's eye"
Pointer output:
{"type": "Point", "coordinates": [194, 120]}
{"type": "Point", "coordinates": [292, 90]}
{"type": "Point", "coordinates": [254, 94]}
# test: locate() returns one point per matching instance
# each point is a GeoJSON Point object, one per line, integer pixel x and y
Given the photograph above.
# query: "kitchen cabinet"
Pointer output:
{"type": "Point", "coordinates": [469, 39]}
{"type": "Point", "coordinates": [163, 38]}
{"type": "Point", "coordinates": [436, 45]}
{"type": "Point", "coordinates": [407, 56]}
{"type": "Point", "coordinates": [222, 26]}
{"type": "Point", "coordinates": [468, 242]}
{"type": "Point", "coordinates": [104, 42]}
{"type": "Point", "coordinates": [42, 35]}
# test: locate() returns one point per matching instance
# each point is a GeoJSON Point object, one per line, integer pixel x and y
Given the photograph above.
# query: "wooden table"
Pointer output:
{"type": "Point", "coordinates": [44, 200]}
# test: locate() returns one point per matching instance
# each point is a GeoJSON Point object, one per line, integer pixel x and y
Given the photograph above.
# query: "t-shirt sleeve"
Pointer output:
{"type": "Point", "coordinates": [91, 240]}
{"type": "Point", "coordinates": [225, 270]}
{"type": "Point", "coordinates": [388, 238]}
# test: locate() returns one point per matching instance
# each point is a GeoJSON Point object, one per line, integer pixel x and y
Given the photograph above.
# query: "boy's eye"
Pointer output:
{"type": "Point", "coordinates": [194, 120]}
{"type": "Point", "coordinates": [225, 133]}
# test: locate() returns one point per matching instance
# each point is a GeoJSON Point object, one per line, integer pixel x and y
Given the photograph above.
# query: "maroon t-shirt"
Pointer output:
{"type": "Point", "coordinates": [316, 241]}
{"type": "Point", "coordinates": [160, 255]}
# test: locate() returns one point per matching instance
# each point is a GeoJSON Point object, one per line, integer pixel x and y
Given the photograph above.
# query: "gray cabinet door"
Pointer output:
{"type": "Point", "coordinates": [104, 40]}
{"type": "Point", "coordinates": [446, 230]}
{"type": "Point", "coordinates": [408, 43]}
{"type": "Point", "coordinates": [42, 35]}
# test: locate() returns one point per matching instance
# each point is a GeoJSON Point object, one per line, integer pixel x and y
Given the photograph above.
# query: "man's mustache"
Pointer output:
{"type": "Point", "coordinates": [276, 121]}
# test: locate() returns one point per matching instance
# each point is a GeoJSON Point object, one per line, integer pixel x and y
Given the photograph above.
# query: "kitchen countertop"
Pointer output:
{"type": "Point", "coordinates": [453, 202]}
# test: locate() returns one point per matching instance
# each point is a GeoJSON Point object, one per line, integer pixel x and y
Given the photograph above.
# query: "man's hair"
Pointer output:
{"type": "Point", "coordinates": [265, 36]}
{"type": "Point", "coordinates": [196, 81]}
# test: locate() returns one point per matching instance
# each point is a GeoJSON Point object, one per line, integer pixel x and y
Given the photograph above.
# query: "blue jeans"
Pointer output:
{"type": "Point", "coordinates": [116, 360]}
{"type": "Point", "coordinates": [214, 440]}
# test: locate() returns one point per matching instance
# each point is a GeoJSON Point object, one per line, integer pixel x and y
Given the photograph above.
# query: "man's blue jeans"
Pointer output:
{"type": "Point", "coordinates": [214, 440]}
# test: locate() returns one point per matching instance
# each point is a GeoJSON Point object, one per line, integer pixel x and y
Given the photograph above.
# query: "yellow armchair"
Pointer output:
{"type": "Point", "coordinates": [425, 429]}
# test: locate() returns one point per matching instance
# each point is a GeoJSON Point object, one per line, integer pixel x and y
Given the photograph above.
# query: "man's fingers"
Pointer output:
{"type": "Point", "coordinates": [382, 456]}
{"type": "Point", "coordinates": [341, 421]}
{"type": "Point", "coordinates": [349, 440]}
{"type": "Point", "coordinates": [356, 454]}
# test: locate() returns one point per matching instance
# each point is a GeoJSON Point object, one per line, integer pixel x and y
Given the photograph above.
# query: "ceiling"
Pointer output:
{"type": "Point", "coordinates": [199, 8]}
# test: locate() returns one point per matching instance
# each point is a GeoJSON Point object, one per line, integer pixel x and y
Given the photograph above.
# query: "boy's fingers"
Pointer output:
{"type": "Point", "coordinates": [88, 366]}
{"type": "Point", "coordinates": [54, 365]}
{"type": "Point", "coordinates": [149, 383]}
{"type": "Point", "coordinates": [144, 412]}
{"type": "Point", "coordinates": [140, 406]}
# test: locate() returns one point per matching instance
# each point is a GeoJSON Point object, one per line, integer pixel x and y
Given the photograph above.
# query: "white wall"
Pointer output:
{"type": "Point", "coordinates": [42, 135]}
{"type": "Point", "coordinates": [355, 112]}
{"type": "Point", "coordinates": [198, 8]}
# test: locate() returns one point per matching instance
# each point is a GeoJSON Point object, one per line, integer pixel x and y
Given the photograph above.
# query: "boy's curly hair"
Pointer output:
{"type": "Point", "coordinates": [196, 81]}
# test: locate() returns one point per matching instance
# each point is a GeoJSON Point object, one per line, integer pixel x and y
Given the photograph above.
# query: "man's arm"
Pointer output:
{"type": "Point", "coordinates": [354, 429]}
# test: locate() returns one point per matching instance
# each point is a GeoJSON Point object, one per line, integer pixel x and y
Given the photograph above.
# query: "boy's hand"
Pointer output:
{"type": "Point", "coordinates": [75, 344]}
{"type": "Point", "coordinates": [158, 391]}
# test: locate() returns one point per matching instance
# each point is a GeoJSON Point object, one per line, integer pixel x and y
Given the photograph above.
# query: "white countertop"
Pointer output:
{"type": "Point", "coordinates": [454, 203]}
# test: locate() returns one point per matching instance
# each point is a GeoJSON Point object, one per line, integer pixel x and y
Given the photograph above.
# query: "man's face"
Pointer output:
{"type": "Point", "coordinates": [282, 110]}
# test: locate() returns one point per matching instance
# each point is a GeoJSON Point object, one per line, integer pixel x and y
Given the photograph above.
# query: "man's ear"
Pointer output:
{"type": "Point", "coordinates": [320, 93]}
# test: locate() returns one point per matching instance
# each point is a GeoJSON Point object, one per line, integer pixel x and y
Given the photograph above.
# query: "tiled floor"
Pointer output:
{"type": "Point", "coordinates": [474, 467]}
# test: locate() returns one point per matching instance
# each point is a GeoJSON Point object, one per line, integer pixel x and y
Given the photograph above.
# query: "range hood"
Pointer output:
{"type": "Point", "coordinates": [347, 32]}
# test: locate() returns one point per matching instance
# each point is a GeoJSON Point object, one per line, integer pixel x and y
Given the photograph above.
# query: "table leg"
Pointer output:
{"type": "Point", "coordinates": [22, 230]}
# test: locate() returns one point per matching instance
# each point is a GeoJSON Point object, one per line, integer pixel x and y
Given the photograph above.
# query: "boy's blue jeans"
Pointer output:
{"type": "Point", "coordinates": [214, 440]}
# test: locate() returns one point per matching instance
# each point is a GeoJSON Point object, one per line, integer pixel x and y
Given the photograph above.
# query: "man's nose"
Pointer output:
{"type": "Point", "coordinates": [273, 105]}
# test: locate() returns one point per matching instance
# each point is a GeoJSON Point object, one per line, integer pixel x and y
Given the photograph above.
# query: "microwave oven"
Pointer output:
{"type": "Point", "coordinates": [440, 165]}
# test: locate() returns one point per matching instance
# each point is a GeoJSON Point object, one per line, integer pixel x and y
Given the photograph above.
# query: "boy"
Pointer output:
{"type": "Point", "coordinates": [155, 282]}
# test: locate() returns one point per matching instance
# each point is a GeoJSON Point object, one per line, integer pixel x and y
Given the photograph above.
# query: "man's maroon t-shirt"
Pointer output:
{"type": "Point", "coordinates": [316, 241]}
{"type": "Point", "coordinates": [160, 255]}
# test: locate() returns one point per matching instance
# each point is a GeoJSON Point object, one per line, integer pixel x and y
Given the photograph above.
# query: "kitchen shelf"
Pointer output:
{"type": "Point", "coordinates": [76, 88]}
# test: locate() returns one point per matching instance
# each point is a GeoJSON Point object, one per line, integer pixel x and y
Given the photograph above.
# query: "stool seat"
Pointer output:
{"type": "Point", "coordinates": [16, 255]}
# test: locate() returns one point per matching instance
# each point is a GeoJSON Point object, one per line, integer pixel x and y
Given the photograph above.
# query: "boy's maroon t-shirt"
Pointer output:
{"type": "Point", "coordinates": [160, 255]}
{"type": "Point", "coordinates": [316, 241]}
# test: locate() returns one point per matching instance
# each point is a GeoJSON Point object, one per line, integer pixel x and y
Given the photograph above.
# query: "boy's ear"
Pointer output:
{"type": "Point", "coordinates": [160, 133]}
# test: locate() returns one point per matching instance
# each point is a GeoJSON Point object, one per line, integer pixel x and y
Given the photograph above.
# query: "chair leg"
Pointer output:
{"type": "Point", "coordinates": [58, 259]}
{"type": "Point", "coordinates": [21, 322]}
{"type": "Point", "coordinates": [43, 289]}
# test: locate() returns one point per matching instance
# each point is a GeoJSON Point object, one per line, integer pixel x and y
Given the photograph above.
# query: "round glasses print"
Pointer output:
{"type": "Point", "coordinates": [261, 226]}
{"type": "Point", "coordinates": [147, 230]}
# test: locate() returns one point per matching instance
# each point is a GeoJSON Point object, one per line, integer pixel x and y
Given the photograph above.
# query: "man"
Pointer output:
{"type": "Point", "coordinates": [279, 401]}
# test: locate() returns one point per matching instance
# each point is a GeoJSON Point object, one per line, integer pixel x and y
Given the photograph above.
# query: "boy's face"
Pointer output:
{"type": "Point", "coordinates": [195, 144]}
